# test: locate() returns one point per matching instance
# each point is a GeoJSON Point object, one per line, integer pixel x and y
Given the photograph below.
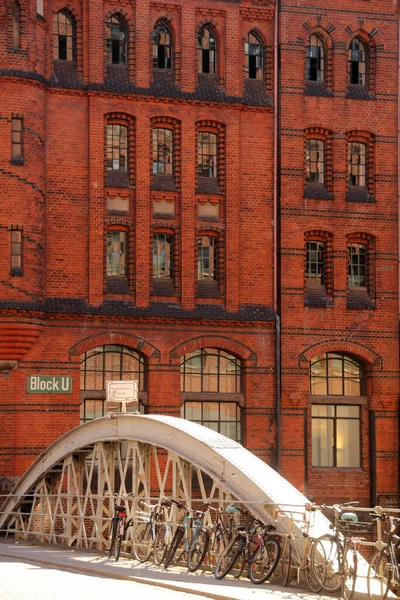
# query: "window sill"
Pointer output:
{"type": "Point", "coordinates": [17, 161]}
{"type": "Point", "coordinates": [357, 193]}
{"type": "Point", "coordinates": [163, 182]}
{"type": "Point", "coordinates": [163, 287]}
{"type": "Point", "coordinates": [208, 289]}
{"type": "Point", "coordinates": [341, 469]}
{"type": "Point", "coordinates": [16, 273]}
{"type": "Point", "coordinates": [359, 92]}
{"type": "Point", "coordinates": [316, 296]}
{"type": "Point", "coordinates": [208, 185]}
{"type": "Point", "coordinates": [118, 179]}
{"type": "Point", "coordinates": [358, 298]}
{"type": "Point", "coordinates": [117, 285]}
{"type": "Point", "coordinates": [317, 191]}
{"type": "Point", "coordinates": [317, 88]}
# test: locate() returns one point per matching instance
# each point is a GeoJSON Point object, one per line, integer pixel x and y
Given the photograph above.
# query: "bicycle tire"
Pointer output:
{"type": "Point", "coordinates": [176, 540]}
{"type": "Point", "coordinates": [379, 575]}
{"type": "Point", "coordinates": [349, 573]}
{"type": "Point", "coordinates": [264, 561]}
{"type": "Point", "coordinates": [286, 562]}
{"type": "Point", "coordinates": [238, 566]}
{"type": "Point", "coordinates": [160, 544]}
{"type": "Point", "coordinates": [218, 543]}
{"type": "Point", "coordinates": [113, 536]}
{"type": "Point", "coordinates": [228, 558]}
{"type": "Point", "coordinates": [117, 547]}
{"type": "Point", "coordinates": [309, 576]}
{"type": "Point", "coordinates": [197, 550]}
{"type": "Point", "coordinates": [325, 563]}
{"type": "Point", "coordinates": [142, 542]}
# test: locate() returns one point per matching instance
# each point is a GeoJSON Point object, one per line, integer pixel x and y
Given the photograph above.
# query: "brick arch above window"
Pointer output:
{"type": "Point", "coordinates": [315, 24]}
{"type": "Point", "coordinates": [166, 122]}
{"type": "Point", "coordinates": [113, 338]}
{"type": "Point", "coordinates": [219, 73]}
{"type": "Point", "coordinates": [170, 22]}
{"type": "Point", "coordinates": [219, 130]}
{"type": "Point", "coordinates": [369, 42]}
{"type": "Point", "coordinates": [221, 343]}
{"type": "Point", "coordinates": [358, 350]}
{"type": "Point", "coordinates": [367, 30]}
{"type": "Point", "coordinates": [128, 17]}
{"type": "Point", "coordinates": [325, 34]}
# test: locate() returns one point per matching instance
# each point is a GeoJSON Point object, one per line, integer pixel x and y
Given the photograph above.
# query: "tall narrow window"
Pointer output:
{"type": "Point", "coordinates": [117, 148]}
{"type": "Point", "coordinates": [315, 167]}
{"type": "Point", "coordinates": [336, 435]}
{"type": "Point", "coordinates": [16, 22]}
{"type": "Point", "coordinates": [357, 62]}
{"type": "Point", "coordinates": [207, 154]}
{"type": "Point", "coordinates": [162, 46]}
{"type": "Point", "coordinates": [117, 40]}
{"type": "Point", "coordinates": [207, 51]}
{"type": "Point", "coordinates": [162, 256]}
{"type": "Point", "coordinates": [253, 50]}
{"type": "Point", "coordinates": [162, 151]}
{"type": "Point", "coordinates": [357, 163]}
{"type": "Point", "coordinates": [315, 59]}
{"type": "Point", "coordinates": [315, 262]}
{"type": "Point", "coordinates": [16, 138]}
{"type": "Point", "coordinates": [16, 251]}
{"type": "Point", "coordinates": [357, 265]}
{"type": "Point", "coordinates": [63, 37]}
{"type": "Point", "coordinates": [116, 253]}
{"type": "Point", "coordinates": [207, 258]}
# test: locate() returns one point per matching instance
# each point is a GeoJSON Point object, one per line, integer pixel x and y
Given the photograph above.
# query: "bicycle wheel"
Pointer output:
{"type": "Point", "coordinates": [113, 537]}
{"type": "Point", "coordinates": [197, 550]}
{"type": "Point", "coordinates": [349, 572]}
{"type": "Point", "coordinates": [117, 547]}
{"type": "Point", "coordinates": [264, 561]}
{"type": "Point", "coordinates": [379, 575]}
{"type": "Point", "coordinates": [228, 558]}
{"type": "Point", "coordinates": [218, 543]}
{"type": "Point", "coordinates": [160, 544]}
{"type": "Point", "coordinates": [325, 563]}
{"type": "Point", "coordinates": [238, 566]}
{"type": "Point", "coordinates": [286, 562]}
{"type": "Point", "coordinates": [176, 540]}
{"type": "Point", "coordinates": [310, 578]}
{"type": "Point", "coordinates": [142, 542]}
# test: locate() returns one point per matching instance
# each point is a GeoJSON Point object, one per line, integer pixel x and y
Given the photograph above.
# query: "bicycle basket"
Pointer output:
{"type": "Point", "coordinates": [349, 523]}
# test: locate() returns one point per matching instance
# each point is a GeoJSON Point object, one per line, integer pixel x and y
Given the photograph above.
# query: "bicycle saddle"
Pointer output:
{"type": "Point", "coordinates": [349, 517]}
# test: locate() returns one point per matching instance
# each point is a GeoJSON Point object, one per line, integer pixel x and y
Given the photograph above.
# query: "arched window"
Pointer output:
{"type": "Point", "coordinates": [162, 151]}
{"type": "Point", "coordinates": [207, 151]}
{"type": "Point", "coordinates": [253, 49]}
{"type": "Point", "coordinates": [357, 62]}
{"type": "Point", "coordinates": [16, 23]}
{"type": "Point", "coordinates": [108, 363]}
{"type": "Point", "coordinates": [117, 40]}
{"type": "Point", "coordinates": [117, 147]}
{"type": "Point", "coordinates": [357, 265]}
{"type": "Point", "coordinates": [207, 51]}
{"type": "Point", "coordinates": [207, 263]}
{"type": "Point", "coordinates": [162, 46]}
{"type": "Point", "coordinates": [162, 256]}
{"type": "Point", "coordinates": [315, 263]}
{"type": "Point", "coordinates": [315, 59]}
{"type": "Point", "coordinates": [116, 253]}
{"type": "Point", "coordinates": [216, 373]}
{"type": "Point", "coordinates": [315, 161]}
{"type": "Point", "coordinates": [357, 153]}
{"type": "Point", "coordinates": [337, 386]}
{"type": "Point", "coordinates": [63, 37]}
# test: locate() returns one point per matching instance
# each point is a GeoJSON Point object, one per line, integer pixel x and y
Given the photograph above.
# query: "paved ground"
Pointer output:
{"type": "Point", "coordinates": [98, 566]}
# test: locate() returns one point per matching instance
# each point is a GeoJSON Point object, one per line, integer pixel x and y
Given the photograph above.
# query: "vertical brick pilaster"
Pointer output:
{"type": "Point", "coordinates": [188, 208]}
{"type": "Point", "coordinates": [232, 251]}
{"type": "Point", "coordinates": [143, 44]}
{"type": "Point", "coordinates": [142, 212]}
{"type": "Point", "coordinates": [96, 203]}
{"type": "Point", "coordinates": [234, 51]}
{"type": "Point", "coordinates": [188, 62]}
{"type": "Point", "coordinates": [96, 46]}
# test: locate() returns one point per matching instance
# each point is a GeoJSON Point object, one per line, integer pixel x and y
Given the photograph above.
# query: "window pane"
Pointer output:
{"type": "Point", "coordinates": [348, 411]}
{"type": "Point", "coordinates": [318, 386]}
{"type": "Point", "coordinates": [228, 411]}
{"type": "Point", "coordinates": [322, 443]}
{"type": "Point", "coordinates": [193, 411]}
{"type": "Point", "coordinates": [348, 443]}
{"type": "Point", "coordinates": [210, 411]}
{"type": "Point", "coordinates": [321, 410]}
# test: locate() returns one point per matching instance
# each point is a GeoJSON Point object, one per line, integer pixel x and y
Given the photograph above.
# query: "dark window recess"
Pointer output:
{"type": "Point", "coordinates": [162, 256]}
{"type": "Point", "coordinates": [16, 22]}
{"type": "Point", "coordinates": [253, 49]}
{"type": "Point", "coordinates": [207, 146]}
{"type": "Point", "coordinates": [357, 62]}
{"type": "Point", "coordinates": [116, 253]}
{"type": "Point", "coordinates": [162, 46]}
{"type": "Point", "coordinates": [357, 265]}
{"type": "Point", "coordinates": [315, 263]}
{"type": "Point", "coordinates": [16, 138]}
{"type": "Point", "coordinates": [16, 251]}
{"type": "Point", "coordinates": [117, 148]}
{"type": "Point", "coordinates": [207, 51]}
{"type": "Point", "coordinates": [315, 59]}
{"type": "Point", "coordinates": [162, 151]}
{"type": "Point", "coordinates": [357, 153]}
{"type": "Point", "coordinates": [207, 258]}
{"type": "Point", "coordinates": [117, 41]}
{"type": "Point", "coordinates": [63, 37]}
{"type": "Point", "coordinates": [315, 161]}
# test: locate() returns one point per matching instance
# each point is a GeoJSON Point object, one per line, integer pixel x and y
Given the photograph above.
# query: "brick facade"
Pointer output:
{"type": "Point", "coordinates": [66, 199]}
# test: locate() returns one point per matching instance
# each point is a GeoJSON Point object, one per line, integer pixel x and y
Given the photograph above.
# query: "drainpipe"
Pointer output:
{"type": "Point", "coordinates": [275, 242]}
{"type": "Point", "coordinates": [398, 165]}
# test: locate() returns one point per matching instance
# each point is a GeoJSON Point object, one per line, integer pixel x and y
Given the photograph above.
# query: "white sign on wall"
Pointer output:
{"type": "Point", "coordinates": [125, 392]}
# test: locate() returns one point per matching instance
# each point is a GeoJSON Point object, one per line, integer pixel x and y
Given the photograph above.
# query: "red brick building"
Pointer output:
{"type": "Point", "coordinates": [177, 209]}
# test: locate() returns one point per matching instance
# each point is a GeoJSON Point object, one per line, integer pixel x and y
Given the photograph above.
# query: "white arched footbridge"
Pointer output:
{"type": "Point", "coordinates": [65, 497]}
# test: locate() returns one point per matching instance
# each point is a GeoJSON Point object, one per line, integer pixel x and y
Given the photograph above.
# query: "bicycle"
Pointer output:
{"type": "Point", "coordinates": [384, 570]}
{"type": "Point", "coordinates": [334, 557]}
{"type": "Point", "coordinates": [220, 535]}
{"type": "Point", "coordinates": [292, 557]}
{"type": "Point", "coordinates": [150, 534]}
{"type": "Point", "coordinates": [194, 536]}
{"type": "Point", "coordinates": [119, 527]}
{"type": "Point", "coordinates": [251, 545]}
